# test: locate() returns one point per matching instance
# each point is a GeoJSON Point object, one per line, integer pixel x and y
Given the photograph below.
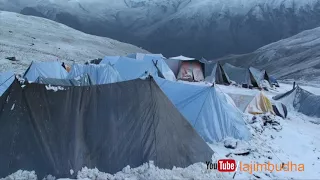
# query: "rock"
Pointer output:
{"type": "Point", "coordinates": [230, 143]}
{"type": "Point", "coordinates": [277, 128]}
{"type": "Point", "coordinates": [11, 58]}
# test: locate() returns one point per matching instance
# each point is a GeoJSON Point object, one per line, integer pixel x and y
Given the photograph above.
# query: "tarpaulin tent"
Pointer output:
{"type": "Point", "coordinates": [83, 80]}
{"type": "Point", "coordinates": [258, 76]}
{"type": "Point", "coordinates": [140, 56]}
{"type": "Point", "coordinates": [280, 109]}
{"type": "Point", "coordinates": [274, 81]}
{"type": "Point", "coordinates": [162, 66]}
{"type": "Point", "coordinates": [132, 68]}
{"type": "Point", "coordinates": [260, 105]}
{"type": "Point", "coordinates": [6, 79]}
{"type": "Point", "coordinates": [237, 74]}
{"type": "Point", "coordinates": [99, 74]}
{"type": "Point", "coordinates": [301, 100]}
{"type": "Point", "coordinates": [105, 126]}
{"type": "Point", "coordinates": [210, 115]}
{"type": "Point", "coordinates": [187, 69]}
{"type": "Point", "coordinates": [214, 73]}
{"type": "Point", "coordinates": [49, 69]}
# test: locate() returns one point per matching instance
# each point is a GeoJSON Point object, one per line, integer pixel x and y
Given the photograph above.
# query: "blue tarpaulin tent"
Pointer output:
{"type": "Point", "coordinates": [52, 69]}
{"type": "Point", "coordinates": [6, 79]}
{"type": "Point", "coordinates": [99, 74]}
{"type": "Point", "coordinates": [206, 110]}
{"type": "Point", "coordinates": [130, 68]}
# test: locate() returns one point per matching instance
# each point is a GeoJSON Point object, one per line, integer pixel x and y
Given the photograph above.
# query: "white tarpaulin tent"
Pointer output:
{"type": "Point", "coordinates": [50, 69]}
{"type": "Point", "coordinates": [209, 113]}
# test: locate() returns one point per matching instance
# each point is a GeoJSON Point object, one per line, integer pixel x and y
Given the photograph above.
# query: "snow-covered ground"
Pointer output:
{"type": "Point", "coordinates": [295, 140]}
{"type": "Point", "coordinates": [30, 38]}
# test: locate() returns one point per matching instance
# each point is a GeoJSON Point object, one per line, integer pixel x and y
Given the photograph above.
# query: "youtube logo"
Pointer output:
{"type": "Point", "coordinates": [227, 165]}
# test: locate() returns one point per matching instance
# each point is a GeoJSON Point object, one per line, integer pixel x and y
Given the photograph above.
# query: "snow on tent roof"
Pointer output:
{"type": "Point", "coordinates": [105, 126]}
{"type": "Point", "coordinates": [79, 81]}
{"type": "Point", "coordinates": [6, 79]}
{"type": "Point", "coordinates": [140, 56]}
{"type": "Point", "coordinates": [99, 74]}
{"type": "Point", "coordinates": [50, 69]}
{"type": "Point", "coordinates": [212, 117]}
{"type": "Point", "coordinates": [132, 68]}
{"type": "Point", "coordinates": [259, 75]}
{"type": "Point", "coordinates": [110, 60]}
{"type": "Point", "coordinates": [182, 58]}
{"type": "Point", "coordinates": [301, 100]}
{"type": "Point", "coordinates": [237, 74]}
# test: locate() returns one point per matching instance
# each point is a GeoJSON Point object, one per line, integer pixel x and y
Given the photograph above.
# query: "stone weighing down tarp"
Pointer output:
{"type": "Point", "coordinates": [6, 79]}
{"type": "Point", "coordinates": [130, 68]}
{"type": "Point", "coordinates": [50, 69]}
{"type": "Point", "coordinates": [104, 126]}
{"type": "Point", "coordinates": [301, 100]}
{"type": "Point", "coordinates": [206, 110]}
{"type": "Point", "coordinates": [99, 74]}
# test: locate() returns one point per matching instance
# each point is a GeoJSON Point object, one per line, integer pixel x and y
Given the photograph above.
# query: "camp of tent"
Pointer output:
{"type": "Point", "coordinates": [121, 111]}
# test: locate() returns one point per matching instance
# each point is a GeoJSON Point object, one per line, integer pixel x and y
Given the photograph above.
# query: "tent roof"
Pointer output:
{"type": "Point", "coordinates": [83, 80]}
{"type": "Point", "coordinates": [130, 68]}
{"type": "Point", "coordinates": [182, 58]}
{"type": "Point", "coordinates": [49, 69]}
{"type": "Point", "coordinates": [6, 79]}
{"type": "Point", "coordinates": [99, 74]}
{"type": "Point", "coordinates": [140, 56]}
{"type": "Point", "coordinates": [237, 74]}
{"type": "Point", "coordinates": [104, 126]}
{"type": "Point", "coordinates": [206, 110]}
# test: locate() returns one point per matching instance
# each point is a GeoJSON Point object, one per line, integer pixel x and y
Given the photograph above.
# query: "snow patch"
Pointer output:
{"type": "Point", "coordinates": [54, 88]}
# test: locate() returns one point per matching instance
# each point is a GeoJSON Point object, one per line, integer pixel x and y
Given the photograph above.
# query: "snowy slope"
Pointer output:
{"type": "Point", "coordinates": [208, 28]}
{"type": "Point", "coordinates": [297, 57]}
{"type": "Point", "coordinates": [36, 39]}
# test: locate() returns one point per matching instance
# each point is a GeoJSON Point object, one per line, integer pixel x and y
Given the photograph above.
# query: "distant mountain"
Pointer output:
{"type": "Point", "coordinates": [30, 38]}
{"type": "Point", "coordinates": [199, 28]}
{"type": "Point", "coordinates": [297, 57]}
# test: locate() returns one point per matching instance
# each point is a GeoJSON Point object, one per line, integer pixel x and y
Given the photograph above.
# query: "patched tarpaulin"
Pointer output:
{"type": "Point", "coordinates": [6, 79]}
{"type": "Point", "coordinates": [50, 69]}
{"type": "Point", "coordinates": [79, 81]}
{"type": "Point", "coordinates": [210, 115]}
{"type": "Point", "coordinates": [260, 104]}
{"type": "Point", "coordinates": [303, 101]}
{"type": "Point", "coordinates": [99, 74]}
{"type": "Point", "coordinates": [237, 74]}
{"type": "Point", "coordinates": [104, 126]}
